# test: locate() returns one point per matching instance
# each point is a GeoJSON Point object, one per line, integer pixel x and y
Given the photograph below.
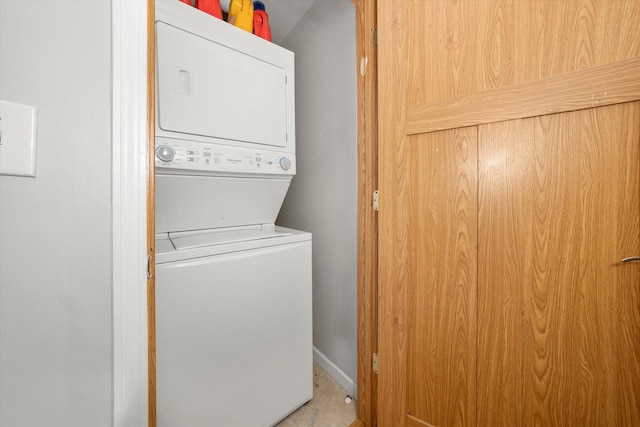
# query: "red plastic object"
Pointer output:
{"type": "Point", "coordinates": [261, 24]}
{"type": "Point", "coordinates": [212, 7]}
{"type": "Point", "coordinates": [186, 2]}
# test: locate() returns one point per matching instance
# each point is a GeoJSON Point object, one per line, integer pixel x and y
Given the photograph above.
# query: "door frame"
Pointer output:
{"type": "Point", "coordinates": [129, 302]}
{"type": "Point", "coordinates": [367, 160]}
{"type": "Point", "coordinates": [129, 212]}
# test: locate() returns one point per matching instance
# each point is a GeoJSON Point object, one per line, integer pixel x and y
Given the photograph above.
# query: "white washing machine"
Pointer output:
{"type": "Point", "coordinates": [233, 290]}
{"type": "Point", "coordinates": [233, 326]}
{"type": "Point", "coordinates": [233, 302]}
{"type": "Point", "coordinates": [233, 298]}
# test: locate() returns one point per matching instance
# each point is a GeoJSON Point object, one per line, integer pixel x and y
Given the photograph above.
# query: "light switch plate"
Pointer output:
{"type": "Point", "coordinates": [18, 135]}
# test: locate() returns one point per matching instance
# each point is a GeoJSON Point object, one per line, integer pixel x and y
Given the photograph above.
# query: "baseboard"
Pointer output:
{"type": "Point", "coordinates": [336, 373]}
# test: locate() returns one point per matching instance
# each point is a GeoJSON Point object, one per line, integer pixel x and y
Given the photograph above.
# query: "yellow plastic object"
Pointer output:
{"type": "Point", "coordinates": [241, 14]}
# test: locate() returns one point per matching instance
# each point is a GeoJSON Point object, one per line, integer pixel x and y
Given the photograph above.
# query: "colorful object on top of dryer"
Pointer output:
{"type": "Point", "coordinates": [261, 21]}
{"type": "Point", "coordinates": [212, 7]}
{"type": "Point", "coordinates": [241, 14]}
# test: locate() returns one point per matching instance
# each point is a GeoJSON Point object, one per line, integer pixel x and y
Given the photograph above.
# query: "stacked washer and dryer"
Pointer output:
{"type": "Point", "coordinates": [233, 290]}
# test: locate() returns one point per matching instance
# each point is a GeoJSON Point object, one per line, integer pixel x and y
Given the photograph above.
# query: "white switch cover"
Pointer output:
{"type": "Point", "coordinates": [18, 134]}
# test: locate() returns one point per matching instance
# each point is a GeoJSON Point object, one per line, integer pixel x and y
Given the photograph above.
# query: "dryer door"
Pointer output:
{"type": "Point", "coordinates": [208, 89]}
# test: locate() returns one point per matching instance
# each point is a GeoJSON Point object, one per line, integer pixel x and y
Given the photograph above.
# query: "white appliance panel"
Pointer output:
{"type": "Point", "coordinates": [233, 333]}
{"type": "Point", "coordinates": [198, 158]}
{"type": "Point", "coordinates": [186, 202]}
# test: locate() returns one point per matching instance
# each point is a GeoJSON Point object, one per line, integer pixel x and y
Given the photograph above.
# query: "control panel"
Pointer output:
{"type": "Point", "coordinates": [212, 158]}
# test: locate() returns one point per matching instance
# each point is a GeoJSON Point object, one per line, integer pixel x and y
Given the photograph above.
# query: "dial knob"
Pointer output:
{"type": "Point", "coordinates": [285, 163]}
{"type": "Point", "coordinates": [166, 153]}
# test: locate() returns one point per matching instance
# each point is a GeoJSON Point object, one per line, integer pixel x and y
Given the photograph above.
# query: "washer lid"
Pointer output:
{"type": "Point", "coordinates": [207, 243]}
{"type": "Point", "coordinates": [189, 240]}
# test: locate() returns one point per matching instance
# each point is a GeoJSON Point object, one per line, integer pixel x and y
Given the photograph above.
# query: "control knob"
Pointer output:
{"type": "Point", "coordinates": [285, 163]}
{"type": "Point", "coordinates": [165, 152]}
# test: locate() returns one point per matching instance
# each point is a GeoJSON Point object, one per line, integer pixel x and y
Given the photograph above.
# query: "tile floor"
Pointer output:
{"type": "Point", "coordinates": [327, 408]}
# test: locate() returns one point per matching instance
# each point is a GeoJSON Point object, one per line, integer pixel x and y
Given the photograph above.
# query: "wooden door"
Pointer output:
{"type": "Point", "coordinates": [509, 173]}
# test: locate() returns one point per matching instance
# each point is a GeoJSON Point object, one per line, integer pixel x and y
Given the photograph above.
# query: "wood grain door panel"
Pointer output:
{"type": "Point", "coordinates": [558, 320]}
{"type": "Point", "coordinates": [442, 277]}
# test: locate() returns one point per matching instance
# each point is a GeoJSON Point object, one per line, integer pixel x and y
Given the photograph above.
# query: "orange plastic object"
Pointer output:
{"type": "Point", "coordinates": [241, 14]}
{"type": "Point", "coordinates": [212, 7]}
{"type": "Point", "coordinates": [261, 24]}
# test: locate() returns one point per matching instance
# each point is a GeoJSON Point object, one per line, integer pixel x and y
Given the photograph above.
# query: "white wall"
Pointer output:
{"type": "Point", "coordinates": [323, 196]}
{"type": "Point", "coordinates": [55, 229]}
